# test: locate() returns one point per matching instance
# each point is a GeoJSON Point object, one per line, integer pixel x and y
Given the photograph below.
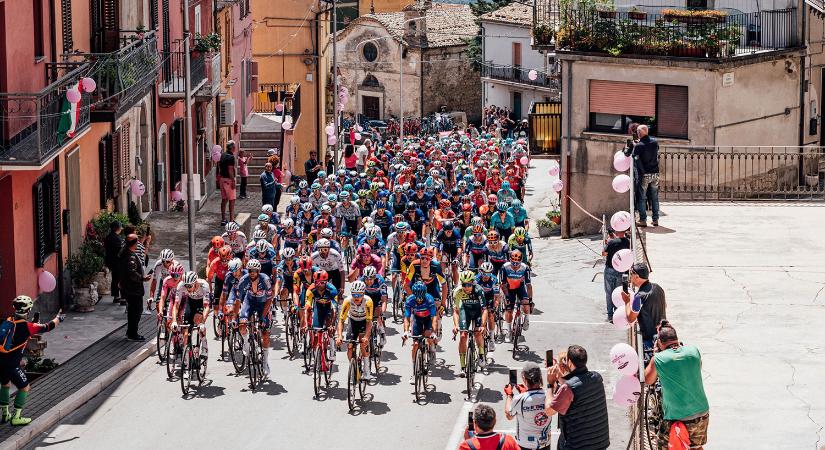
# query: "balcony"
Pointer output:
{"type": "Point", "coordinates": [172, 83]}
{"type": "Point", "coordinates": [519, 75]}
{"type": "Point", "coordinates": [124, 76]}
{"type": "Point", "coordinates": [213, 83]}
{"type": "Point", "coordinates": [31, 133]}
{"type": "Point", "coordinates": [678, 33]}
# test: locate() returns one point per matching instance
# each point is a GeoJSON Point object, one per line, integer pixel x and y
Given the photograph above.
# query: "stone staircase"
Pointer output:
{"type": "Point", "coordinates": [256, 143]}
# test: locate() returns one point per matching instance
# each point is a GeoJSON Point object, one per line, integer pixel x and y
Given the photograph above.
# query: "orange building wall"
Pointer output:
{"type": "Point", "coordinates": [382, 5]}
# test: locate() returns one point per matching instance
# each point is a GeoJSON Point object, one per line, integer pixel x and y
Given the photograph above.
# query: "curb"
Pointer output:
{"type": "Point", "coordinates": [58, 412]}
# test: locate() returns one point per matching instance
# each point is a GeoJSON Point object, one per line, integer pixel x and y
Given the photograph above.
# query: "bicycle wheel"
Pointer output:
{"type": "Point", "coordinates": [186, 369]}
{"type": "Point", "coordinates": [306, 343]}
{"type": "Point", "coordinates": [288, 337]}
{"type": "Point", "coordinates": [236, 351]}
{"type": "Point", "coordinates": [470, 368]}
{"type": "Point", "coordinates": [253, 365]}
{"type": "Point", "coordinates": [216, 325]}
{"type": "Point", "coordinates": [352, 382]}
{"type": "Point", "coordinates": [224, 341]}
{"type": "Point", "coordinates": [417, 363]}
{"type": "Point", "coordinates": [173, 356]}
{"type": "Point", "coordinates": [652, 415]}
{"type": "Point", "coordinates": [362, 383]}
{"type": "Point", "coordinates": [160, 340]}
{"type": "Point", "coordinates": [396, 303]}
{"type": "Point", "coordinates": [516, 334]}
{"type": "Point", "coordinates": [375, 354]}
{"type": "Point", "coordinates": [202, 361]}
{"type": "Point", "coordinates": [499, 323]}
{"type": "Point", "coordinates": [317, 369]}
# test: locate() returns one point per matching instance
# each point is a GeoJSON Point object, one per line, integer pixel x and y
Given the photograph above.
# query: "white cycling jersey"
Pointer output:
{"type": "Point", "coordinates": [201, 292]}
{"type": "Point", "coordinates": [333, 261]}
{"type": "Point", "coordinates": [238, 243]}
{"type": "Point", "coordinates": [160, 271]}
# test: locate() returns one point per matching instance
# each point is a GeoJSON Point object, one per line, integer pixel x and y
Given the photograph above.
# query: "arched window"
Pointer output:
{"type": "Point", "coordinates": [370, 52]}
{"type": "Point", "coordinates": [370, 80]}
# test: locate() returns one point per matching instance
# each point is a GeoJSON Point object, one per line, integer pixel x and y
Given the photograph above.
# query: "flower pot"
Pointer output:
{"type": "Point", "coordinates": [544, 231]}
{"type": "Point", "coordinates": [83, 299]}
{"type": "Point", "coordinates": [637, 15]}
{"type": "Point", "coordinates": [104, 282]}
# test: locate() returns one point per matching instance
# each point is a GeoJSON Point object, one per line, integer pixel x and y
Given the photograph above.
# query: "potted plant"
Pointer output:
{"type": "Point", "coordinates": [37, 366]}
{"type": "Point", "coordinates": [84, 266]}
{"type": "Point", "coordinates": [636, 14]}
{"type": "Point", "coordinates": [606, 9]}
{"type": "Point", "coordinates": [694, 16]}
{"type": "Point", "coordinates": [550, 222]}
{"type": "Point", "coordinates": [542, 34]}
{"type": "Point", "coordinates": [206, 43]}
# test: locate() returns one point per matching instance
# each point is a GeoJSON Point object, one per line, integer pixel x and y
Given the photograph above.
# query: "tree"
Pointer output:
{"type": "Point", "coordinates": [479, 8]}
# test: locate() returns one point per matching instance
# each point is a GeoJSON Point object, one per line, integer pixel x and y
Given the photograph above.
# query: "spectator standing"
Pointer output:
{"type": "Point", "coordinates": [226, 169]}
{"type": "Point", "coordinates": [483, 436]}
{"type": "Point", "coordinates": [580, 402]}
{"type": "Point", "coordinates": [527, 407]}
{"type": "Point", "coordinates": [268, 183]}
{"type": "Point", "coordinates": [132, 284]}
{"type": "Point", "coordinates": [612, 277]}
{"type": "Point", "coordinates": [647, 163]}
{"type": "Point", "coordinates": [275, 162]}
{"type": "Point", "coordinates": [350, 158]}
{"type": "Point", "coordinates": [330, 163]}
{"type": "Point", "coordinates": [141, 247]}
{"type": "Point", "coordinates": [648, 304]}
{"type": "Point", "coordinates": [361, 157]}
{"type": "Point", "coordinates": [112, 245]}
{"type": "Point", "coordinates": [311, 167]}
{"type": "Point", "coordinates": [243, 170]}
{"type": "Point", "coordinates": [679, 370]}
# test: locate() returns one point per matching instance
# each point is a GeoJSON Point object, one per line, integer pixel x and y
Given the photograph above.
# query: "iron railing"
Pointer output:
{"type": "Point", "coordinates": [31, 132]}
{"type": "Point", "coordinates": [519, 75]}
{"type": "Point", "coordinates": [172, 82]}
{"type": "Point", "coordinates": [124, 76]}
{"type": "Point", "coordinates": [741, 173]}
{"type": "Point", "coordinates": [617, 33]}
{"type": "Point", "coordinates": [544, 128]}
{"type": "Point", "coordinates": [271, 95]}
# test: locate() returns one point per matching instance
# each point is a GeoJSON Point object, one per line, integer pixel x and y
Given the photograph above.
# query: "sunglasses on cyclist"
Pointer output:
{"type": "Point", "coordinates": [174, 275]}
{"type": "Point", "coordinates": [189, 285]}
{"type": "Point", "coordinates": [357, 295]}
{"type": "Point", "coordinates": [466, 284]}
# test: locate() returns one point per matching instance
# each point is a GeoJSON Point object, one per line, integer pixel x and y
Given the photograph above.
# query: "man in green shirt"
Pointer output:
{"type": "Point", "coordinates": [679, 369]}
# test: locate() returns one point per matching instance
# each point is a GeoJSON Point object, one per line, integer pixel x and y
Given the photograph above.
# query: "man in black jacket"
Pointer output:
{"type": "Point", "coordinates": [132, 287]}
{"type": "Point", "coordinates": [311, 167]}
{"type": "Point", "coordinates": [648, 305]}
{"type": "Point", "coordinates": [647, 165]}
{"type": "Point", "coordinates": [112, 246]}
{"type": "Point", "coordinates": [580, 402]}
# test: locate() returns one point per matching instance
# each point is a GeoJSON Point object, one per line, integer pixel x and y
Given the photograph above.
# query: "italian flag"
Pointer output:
{"type": "Point", "coordinates": [69, 115]}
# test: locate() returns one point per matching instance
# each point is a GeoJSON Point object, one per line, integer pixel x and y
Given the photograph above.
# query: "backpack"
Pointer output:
{"type": "Point", "coordinates": [500, 443]}
{"type": "Point", "coordinates": [8, 330]}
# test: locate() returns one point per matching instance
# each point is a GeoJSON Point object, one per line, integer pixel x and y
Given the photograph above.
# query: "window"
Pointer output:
{"type": "Point", "coordinates": [614, 105]}
{"type": "Point", "coordinates": [517, 54]}
{"type": "Point", "coordinates": [697, 4]}
{"type": "Point", "coordinates": [37, 29]}
{"type": "Point", "coordinates": [371, 81]}
{"type": "Point", "coordinates": [66, 22]}
{"type": "Point", "coordinates": [370, 52]}
{"type": "Point", "coordinates": [198, 19]}
{"type": "Point", "coordinates": [46, 206]}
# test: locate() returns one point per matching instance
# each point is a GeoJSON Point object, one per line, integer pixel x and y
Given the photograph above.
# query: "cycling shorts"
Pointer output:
{"type": "Point", "coordinates": [251, 307]}
{"type": "Point", "coordinates": [512, 294]}
{"type": "Point", "coordinates": [321, 312]}
{"type": "Point", "coordinates": [451, 251]}
{"type": "Point", "coordinates": [218, 289]}
{"type": "Point", "coordinates": [10, 371]}
{"type": "Point", "coordinates": [421, 324]}
{"type": "Point", "coordinates": [355, 328]}
{"type": "Point", "coordinates": [377, 298]}
{"type": "Point", "coordinates": [469, 314]}
{"type": "Point", "coordinates": [335, 279]}
{"type": "Point", "coordinates": [191, 311]}
{"type": "Point", "coordinates": [287, 284]}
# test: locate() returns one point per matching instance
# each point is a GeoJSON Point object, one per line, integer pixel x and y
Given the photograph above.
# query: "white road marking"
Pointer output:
{"type": "Point", "coordinates": [567, 323]}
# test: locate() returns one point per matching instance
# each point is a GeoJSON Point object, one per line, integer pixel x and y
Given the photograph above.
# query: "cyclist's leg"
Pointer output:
{"type": "Point", "coordinates": [464, 327]}
{"type": "Point", "coordinates": [525, 305]}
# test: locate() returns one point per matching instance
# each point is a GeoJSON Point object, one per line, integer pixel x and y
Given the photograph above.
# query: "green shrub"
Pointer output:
{"type": "Point", "coordinates": [103, 221]}
{"type": "Point", "coordinates": [84, 264]}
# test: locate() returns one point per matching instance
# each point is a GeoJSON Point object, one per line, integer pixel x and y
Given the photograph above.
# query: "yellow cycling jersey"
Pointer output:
{"type": "Point", "coordinates": [358, 312]}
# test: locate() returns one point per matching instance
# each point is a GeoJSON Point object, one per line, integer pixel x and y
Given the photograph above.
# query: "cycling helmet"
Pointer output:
{"type": "Point", "coordinates": [342, 172]}
{"type": "Point", "coordinates": [167, 255]}
{"type": "Point", "coordinates": [22, 304]}
{"type": "Point", "coordinates": [478, 229]}
{"type": "Point", "coordinates": [331, 178]}
{"type": "Point", "coordinates": [411, 206]}
{"type": "Point", "coordinates": [397, 188]}
{"type": "Point", "coordinates": [326, 209]}
{"type": "Point", "coordinates": [428, 252]}
{"type": "Point", "coordinates": [232, 227]}
{"type": "Point", "coordinates": [520, 232]}
{"type": "Point", "coordinates": [288, 223]}
{"type": "Point", "coordinates": [326, 233]}
{"type": "Point", "coordinates": [295, 199]}
{"type": "Point", "coordinates": [261, 246]}
{"type": "Point", "coordinates": [267, 209]}
{"type": "Point", "coordinates": [253, 264]}
{"type": "Point", "coordinates": [373, 233]}
{"type": "Point", "coordinates": [476, 221]}
{"type": "Point", "coordinates": [492, 198]}
{"type": "Point", "coordinates": [343, 196]}
{"type": "Point", "coordinates": [455, 191]}
{"type": "Point", "coordinates": [477, 184]}
{"type": "Point", "coordinates": [467, 276]}
{"type": "Point", "coordinates": [288, 253]}
{"type": "Point", "coordinates": [264, 218]}
{"type": "Point", "coordinates": [401, 226]}
{"type": "Point", "coordinates": [363, 193]}
{"type": "Point", "coordinates": [419, 289]}
{"type": "Point", "coordinates": [505, 185]}
{"type": "Point", "coordinates": [302, 184]}
{"type": "Point", "coordinates": [321, 276]}
{"type": "Point", "coordinates": [234, 265]}
{"type": "Point", "coordinates": [316, 186]}
{"type": "Point", "coordinates": [501, 207]}
{"type": "Point", "coordinates": [370, 272]}
{"type": "Point", "coordinates": [515, 256]}
{"type": "Point", "coordinates": [226, 251]}
{"type": "Point", "coordinates": [466, 206]}
{"type": "Point", "coordinates": [380, 204]}
{"type": "Point", "coordinates": [189, 278]}
{"type": "Point", "coordinates": [410, 249]}
{"type": "Point", "coordinates": [305, 263]}
{"type": "Point", "coordinates": [411, 236]}
{"type": "Point", "coordinates": [332, 198]}
{"type": "Point", "coordinates": [486, 267]}
{"type": "Point", "coordinates": [307, 207]}
{"type": "Point", "coordinates": [321, 224]}
{"type": "Point", "coordinates": [358, 287]}
{"type": "Point", "coordinates": [447, 225]}
{"type": "Point", "coordinates": [463, 183]}
{"type": "Point", "coordinates": [218, 242]}
{"type": "Point", "coordinates": [177, 269]}
{"type": "Point", "coordinates": [259, 234]}
{"type": "Point", "coordinates": [323, 243]}
{"type": "Point", "coordinates": [444, 203]}
{"type": "Point", "coordinates": [364, 250]}
{"type": "Point", "coordinates": [322, 174]}
{"type": "Point", "coordinates": [492, 235]}
{"type": "Point", "coordinates": [516, 203]}
{"type": "Point", "coordinates": [347, 187]}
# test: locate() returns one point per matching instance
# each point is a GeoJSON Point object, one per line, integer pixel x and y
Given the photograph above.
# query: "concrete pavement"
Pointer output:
{"type": "Point", "coordinates": [144, 409]}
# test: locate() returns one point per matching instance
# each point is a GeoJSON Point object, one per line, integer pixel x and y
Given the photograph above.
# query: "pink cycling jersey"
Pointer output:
{"type": "Point", "coordinates": [375, 261]}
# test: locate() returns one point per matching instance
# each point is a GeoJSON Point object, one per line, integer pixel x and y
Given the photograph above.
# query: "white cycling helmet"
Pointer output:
{"type": "Point", "coordinates": [288, 253]}
{"type": "Point", "coordinates": [167, 255]}
{"type": "Point", "coordinates": [326, 233]}
{"type": "Point", "coordinates": [189, 278]}
{"type": "Point", "coordinates": [288, 223]}
{"type": "Point", "coordinates": [370, 271]}
{"type": "Point", "coordinates": [267, 209]}
{"type": "Point", "coordinates": [295, 200]}
{"type": "Point", "coordinates": [259, 234]}
{"type": "Point", "coordinates": [232, 227]}
{"type": "Point", "coordinates": [253, 264]}
{"type": "Point", "coordinates": [326, 209]}
{"type": "Point", "coordinates": [486, 267]}
{"type": "Point", "coordinates": [358, 287]}
{"type": "Point", "coordinates": [323, 243]}
{"type": "Point", "coordinates": [234, 264]}
{"type": "Point", "coordinates": [307, 206]}
{"type": "Point", "coordinates": [261, 245]}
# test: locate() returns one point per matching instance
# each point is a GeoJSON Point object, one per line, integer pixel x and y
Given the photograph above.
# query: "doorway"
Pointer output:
{"type": "Point", "coordinates": [73, 199]}
{"type": "Point", "coordinates": [517, 106]}
{"type": "Point", "coordinates": [370, 107]}
{"type": "Point", "coordinates": [175, 154]}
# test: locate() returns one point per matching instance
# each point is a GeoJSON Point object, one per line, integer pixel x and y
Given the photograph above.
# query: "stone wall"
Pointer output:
{"type": "Point", "coordinates": [449, 81]}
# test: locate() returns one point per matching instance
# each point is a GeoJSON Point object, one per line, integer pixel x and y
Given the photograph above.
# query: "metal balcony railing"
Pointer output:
{"type": "Point", "coordinates": [518, 75]}
{"type": "Point", "coordinates": [172, 83]}
{"type": "Point", "coordinates": [31, 131]}
{"type": "Point", "coordinates": [124, 76]}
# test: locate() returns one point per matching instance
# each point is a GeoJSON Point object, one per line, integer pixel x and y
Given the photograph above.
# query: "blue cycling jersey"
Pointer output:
{"type": "Point", "coordinates": [475, 246]}
{"type": "Point", "coordinates": [293, 239]}
{"type": "Point", "coordinates": [488, 285]}
{"type": "Point", "coordinates": [506, 223]}
{"type": "Point", "coordinates": [515, 276]}
{"type": "Point", "coordinates": [262, 293]}
{"type": "Point", "coordinates": [286, 273]}
{"type": "Point", "coordinates": [424, 309]}
{"type": "Point", "coordinates": [230, 285]}
{"type": "Point", "coordinates": [519, 214]}
{"type": "Point", "coordinates": [377, 288]}
{"type": "Point", "coordinates": [499, 256]}
{"type": "Point", "coordinates": [266, 257]}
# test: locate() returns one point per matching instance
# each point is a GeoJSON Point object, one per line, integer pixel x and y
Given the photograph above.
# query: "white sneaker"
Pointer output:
{"type": "Point", "coordinates": [491, 344]}
{"type": "Point", "coordinates": [366, 375]}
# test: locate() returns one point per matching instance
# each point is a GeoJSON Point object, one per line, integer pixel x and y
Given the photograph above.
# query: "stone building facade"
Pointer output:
{"type": "Point", "coordinates": [425, 42]}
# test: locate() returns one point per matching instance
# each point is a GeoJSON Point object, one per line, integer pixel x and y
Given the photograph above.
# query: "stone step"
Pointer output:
{"type": "Point", "coordinates": [260, 135]}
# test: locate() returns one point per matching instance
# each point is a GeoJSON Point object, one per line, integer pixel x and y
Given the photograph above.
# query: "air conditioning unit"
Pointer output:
{"type": "Point", "coordinates": [227, 113]}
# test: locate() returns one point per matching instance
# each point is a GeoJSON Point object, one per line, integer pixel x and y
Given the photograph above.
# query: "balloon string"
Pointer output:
{"type": "Point", "coordinates": [583, 210]}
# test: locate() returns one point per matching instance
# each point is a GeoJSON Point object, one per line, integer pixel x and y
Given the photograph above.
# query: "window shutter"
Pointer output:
{"type": "Point", "coordinates": [116, 175]}
{"type": "Point", "coordinates": [167, 42]}
{"type": "Point", "coordinates": [40, 227]}
{"type": "Point", "coordinates": [517, 54]}
{"type": "Point", "coordinates": [672, 111]}
{"type": "Point", "coordinates": [125, 153]}
{"type": "Point", "coordinates": [66, 18]}
{"type": "Point", "coordinates": [103, 172]}
{"type": "Point", "coordinates": [153, 13]}
{"type": "Point", "coordinates": [57, 230]}
{"type": "Point", "coordinates": [622, 97]}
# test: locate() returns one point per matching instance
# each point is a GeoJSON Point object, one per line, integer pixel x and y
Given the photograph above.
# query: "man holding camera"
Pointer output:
{"type": "Point", "coordinates": [612, 277]}
{"type": "Point", "coordinates": [648, 303]}
{"type": "Point", "coordinates": [527, 407]}
{"type": "Point", "coordinates": [480, 434]}
{"type": "Point", "coordinates": [580, 402]}
{"type": "Point", "coordinates": [646, 153]}
{"type": "Point", "coordinates": [679, 370]}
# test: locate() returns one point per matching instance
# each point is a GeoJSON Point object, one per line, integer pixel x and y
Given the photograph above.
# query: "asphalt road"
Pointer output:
{"type": "Point", "coordinates": [146, 410]}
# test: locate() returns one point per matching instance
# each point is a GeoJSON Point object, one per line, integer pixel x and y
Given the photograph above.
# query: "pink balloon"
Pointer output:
{"type": "Point", "coordinates": [620, 321]}
{"type": "Point", "coordinates": [286, 125]}
{"type": "Point", "coordinates": [624, 358]}
{"type": "Point", "coordinates": [138, 188]}
{"type": "Point", "coordinates": [558, 185]}
{"type": "Point", "coordinates": [621, 221]}
{"type": "Point", "coordinates": [279, 107]}
{"type": "Point", "coordinates": [89, 84]}
{"type": "Point", "coordinates": [621, 183]}
{"type": "Point", "coordinates": [46, 281]}
{"type": "Point", "coordinates": [616, 298]}
{"type": "Point", "coordinates": [332, 140]}
{"type": "Point", "coordinates": [627, 391]}
{"type": "Point", "coordinates": [623, 260]}
{"type": "Point", "coordinates": [359, 128]}
{"type": "Point", "coordinates": [524, 161]}
{"type": "Point", "coordinates": [73, 95]}
{"type": "Point", "coordinates": [554, 169]}
{"type": "Point", "coordinates": [330, 129]}
{"type": "Point", "coordinates": [343, 91]}
{"type": "Point", "coordinates": [357, 136]}
{"type": "Point", "coordinates": [216, 148]}
{"type": "Point", "coordinates": [216, 155]}
{"type": "Point", "coordinates": [621, 162]}
{"type": "Point", "coordinates": [177, 196]}
{"type": "Point", "coordinates": [532, 75]}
